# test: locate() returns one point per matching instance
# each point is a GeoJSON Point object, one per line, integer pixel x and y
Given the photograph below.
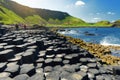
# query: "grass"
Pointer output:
{"type": "Point", "coordinates": [35, 19]}
{"type": "Point", "coordinates": [9, 17]}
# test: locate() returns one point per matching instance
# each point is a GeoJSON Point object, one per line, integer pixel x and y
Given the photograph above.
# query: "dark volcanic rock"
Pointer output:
{"type": "Point", "coordinates": [13, 69]}
{"type": "Point", "coordinates": [6, 54]}
{"type": "Point", "coordinates": [43, 55]}
{"type": "Point", "coordinates": [28, 57]}
{"type": "Point", "coordinates": [3, 66]}
{"type": "Point", "coordinates": [116, 70]}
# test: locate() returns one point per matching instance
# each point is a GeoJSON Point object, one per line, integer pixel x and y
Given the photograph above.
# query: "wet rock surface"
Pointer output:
{"type": "Point", "coordinates": [43, 55]}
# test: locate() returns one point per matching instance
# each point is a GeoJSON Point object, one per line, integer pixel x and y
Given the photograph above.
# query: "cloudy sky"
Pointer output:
{"type": "Point", "coordinates": [88, 10]}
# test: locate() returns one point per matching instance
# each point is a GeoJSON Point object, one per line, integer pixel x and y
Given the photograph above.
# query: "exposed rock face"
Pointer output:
{"type": "Point", "coordinates": [43, 55]}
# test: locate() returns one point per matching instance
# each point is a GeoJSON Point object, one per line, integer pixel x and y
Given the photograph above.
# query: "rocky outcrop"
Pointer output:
{"type": "Point", "coordinates": [43, 55]}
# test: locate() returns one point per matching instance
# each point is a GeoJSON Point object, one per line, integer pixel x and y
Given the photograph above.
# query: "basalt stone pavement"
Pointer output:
{"type": "Point", "coordinates": [43, 55]}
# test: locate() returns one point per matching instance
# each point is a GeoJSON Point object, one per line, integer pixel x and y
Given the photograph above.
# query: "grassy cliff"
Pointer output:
{"type": "Point", "coordinates": [9, 17]}
{"type": "Point", "coordinates": [31, 16]}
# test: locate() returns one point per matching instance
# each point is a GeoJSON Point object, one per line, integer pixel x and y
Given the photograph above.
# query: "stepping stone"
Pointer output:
{"type": "Point", "coordinates": [37, 76]}
{"type": "Point", "coordinates": [1, 48]}
{"type": "Point", "coordinates": [48, 69]}
{"type": "Point", "coordinates": [19, 54]}
{"type": "Point", "coordinates": [109, 77]}
{"type": "Point", "coordinates": [9, 41]}
{"type": "Point", "coordinates": [16, 59]}
{"type": "Point", "coordinates": [4, 74]}
{"type": "Point", "coordinates": [79, 76]}
{"type": "Point", "coordinates": [18, 41]}
{"type": "Point", "coordinates": [6, 54]}
{"type": "Point", "coordinates": [50, 56]}
{"type": "Point", "coordinates": [9, 47]}
{"type": "Point", "coordinates": [74, 48]}
{"type": "Point", "coordinates": [68, 57]}
{"type": "Point", "coordinates": [13, 69]}
{"type": "Point", "coordinates": [64, 75]}
{"type": "Point", "coordinates": [40, 60]}
{"type": "Point", "coordinates": [102, 70]}
{"type": "Point", "coordinates": [91, 60]}
{"type": "Point", "coordinates": [76, 67]}
{"type": "Point", "coordinates": [21, 77]}
{"type": "Point", "coordinates": [32, 47]}
{"type": "Point", "coordinates": [84, 68]}
{"type": "Point", "coordinates": [39, 65]}
{"type": "Point", "coordinates": [6, 78]}
{"type": "Point", "coordinates": [116, 70]}
{"type": "Point", "coordinates": [39, 70]}
{"type": "Point", "coordinates": [53, 76]}
{"type": "Point", "coordinates": [48, 60]}
{"type": "Point", "coordinates": [60, 55]}
{"type": "Point", "coordinates": [3, 66]}
{"type": "Point", "coordinates": [100, 77]}
{"type": "Point", "coordinates": [28, 69]}
{"type": "Point", "coordinates": [40, 44]}
{"type": "Point", "coordinates": [84, 54]}
{"type": "Point", "coordinates": [66, 61]}
{"type": "Point", "coordinates": [94, 71]}
{"type": "Point", "coordinates": [3, 44]}
{"type": "Point", "coordinates": [68, 68]}
{"type": "Point", "coordinates": [83, 61]}
{"type": "Point", "coordinates": [57, 60]}
{"type": "Point", "coordinates": [50, 52]}
{"type": "Point", "coordinates": [42, 54]}
{"type": "Point", "coordinates": [28, 57]}
{"type": "Point", "coordinates": [91, 75]}
{"type": "Point", "coordinates": [57, 68]}
{"type": "Point", "coordinates": [20, 48]}
{"type": "Point", "coordinates": [117, 77]}
{"type": "Point", "coordinates": [92, 65]}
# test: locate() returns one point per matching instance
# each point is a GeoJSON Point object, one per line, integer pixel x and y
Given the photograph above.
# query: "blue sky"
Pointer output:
{"type": "Point", "coordinates": [88, 10]}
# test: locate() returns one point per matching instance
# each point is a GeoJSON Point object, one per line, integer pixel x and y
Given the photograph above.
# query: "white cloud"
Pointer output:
{"type": "Point", "coordinates": [110, 13]}
{"type": "Point", "coordinates": [95, 19]}
{"type": "Point", "coordinates": [80, 3]}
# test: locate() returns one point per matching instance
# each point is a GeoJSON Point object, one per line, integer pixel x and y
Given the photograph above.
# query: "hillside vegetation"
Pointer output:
{"type": "Point", "coordinates": [12, 13]}
{"type": "Point", "coordinates": [9, 17]}
{"type": "Point", "coordinates": [38, 16]}
{"type": "Point", "coordinates": [117, 23]}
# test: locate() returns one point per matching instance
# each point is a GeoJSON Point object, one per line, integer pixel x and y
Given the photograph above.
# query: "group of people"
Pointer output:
{"type": "Point", "coordinates": [17, 26]}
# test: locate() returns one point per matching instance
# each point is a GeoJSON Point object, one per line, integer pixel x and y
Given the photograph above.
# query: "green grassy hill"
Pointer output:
{"type": "Point", "coordinates": [103, 23]}
{"type": "Point", "coordinates": [117, 23]}
{"type": "Point", "coordinates": [37, 16]}
{"type": "Point", "coordinates": [9, 17]}
{"type": "Point", "coordinates": [12, 12]}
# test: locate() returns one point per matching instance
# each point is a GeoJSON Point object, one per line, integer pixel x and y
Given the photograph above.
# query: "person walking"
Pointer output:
{"type": "Point", "coordinates": [17, 26]}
